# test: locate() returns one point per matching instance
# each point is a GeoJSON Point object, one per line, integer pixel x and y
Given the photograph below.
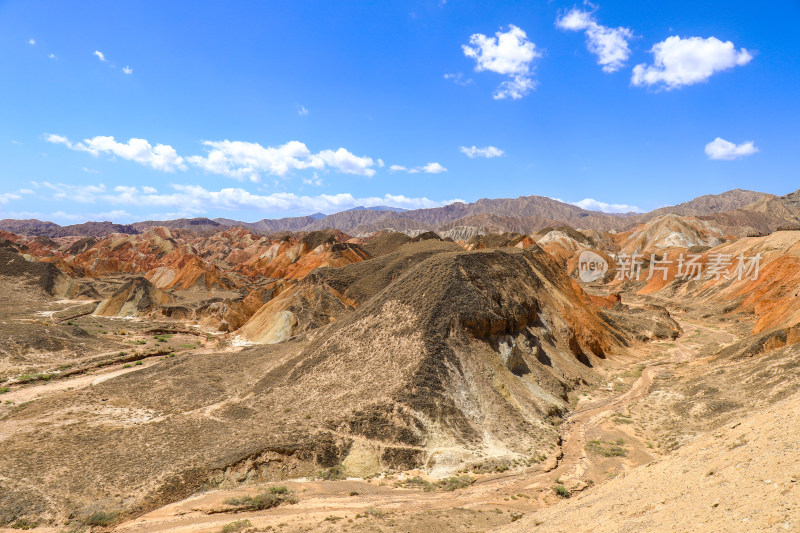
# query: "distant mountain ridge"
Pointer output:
{"type": "Point", "coordinates": [736, 211]}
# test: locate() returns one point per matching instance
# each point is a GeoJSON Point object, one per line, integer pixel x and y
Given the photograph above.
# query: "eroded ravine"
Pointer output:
{"type": "Point", "coordinates": [510, 493]}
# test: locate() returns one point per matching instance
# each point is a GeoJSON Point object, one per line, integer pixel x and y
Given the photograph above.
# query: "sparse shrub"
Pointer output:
{"type": "Point", "coordinates": [233, 527]}
{"type": "Point", "coordinates": [375, 513]}
{"type": "Point", "coordinates": [447, 484]}
{"type": "Point", "coordinates": [127, 365]}
{"type": "Point", "coordinates": [4, 390]}
{"type": "Point", "coordinates": [416, 482]}
{"type": "Point", "coordinates": [102, 518]}
{"type": "Point", "coordinates": [454, 483]}
{"type": "Point", "coordinates": [561, 491]}
{"type": "Point", "coordinates": [138, 363]}
{"type": "Point", "coordinates": [24, 523]}
{"type": "Point", "coordinates": [353, 493]}
{"type": "Point", "coordinates": [607, 449]}
{"type": "Point", "coordinates": [31, 378]}
{"type": "Point", "coordinates": [334, 473]}
{"type": "Point", "coordinates": [267, 499]}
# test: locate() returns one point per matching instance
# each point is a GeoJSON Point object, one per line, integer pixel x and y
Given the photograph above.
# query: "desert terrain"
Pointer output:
{"type": "Point", "coordinates": [447, 369]}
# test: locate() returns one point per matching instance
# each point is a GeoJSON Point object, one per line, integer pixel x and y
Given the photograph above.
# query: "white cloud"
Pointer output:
{"type": "Point", "coordinates": [473, 151]}
{"type": "Point", "coordinates": [8, 196]}
{"type": "Point", "coordinates": [610, 45]}
{"type": "Point", "coordinates": [721, 149]}
{"type": "Point", "coordinates": [595, 205]}
{"type": "Point", "coordinates": [346, 162]}
{"type": "Point", "coordinates": [149, 190]}
{"type": "Point", "coordinates": [194, 199]}
{"type": "Point", "coordinates": [302, 111]}
{"type": "Point", "coordinates": [458, 78]}
{"type": "Point", "coordinates": [161, 157]}
{"type": "Point", "coordinates": [32, 42]}
{"type": "Point", "coordinates": [116, 215]}
{"type": "Point", "coordinates": [678, 62]}
{"type": "Point", "coordinates": [100, 55]}
{"type": "Point", "coordinates": [235, 159]}
{"type": "Point", "coordinates": [433, 168]}
{"type": "Point", "coordinates": [510, 54]}
{"type": "Point", "coordinates": [52, 56]}
{"type": "Point", "coordinates": [127, 70]}
{"type": "Point", "coordinates": [245, 160]}
{"type": "Point", "coordinates": [430, 168]}
{"type": "Point", "coordinates": [315, 180]}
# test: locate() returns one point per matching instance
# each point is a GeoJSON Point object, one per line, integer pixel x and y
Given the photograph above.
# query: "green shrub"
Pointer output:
{"type": "Point", "coordinates": [454, 483]}
{"type": "Point", "coordinates": [376, 513]}
{"type": "Point", "coordinates": [267, 499]}
{"type": "Point", "coordinates": [31, 378]}
{"type": "Point", "coordinates": [4, 390]}
{"type": "Point", "coordinates": [24, 523]}
{"type": "Point", "coordinates": [102, 518]}
{"type": "Point", "coordinates": [561, 491]}
{"type": "Point", "coordinates": [607, 449]}
{"type": "Point", "coordinates": [233, 527]}
{"type": "Point", "coordinates": [333, 473]}
{"type": "Point", "coordinates": [447, 484]}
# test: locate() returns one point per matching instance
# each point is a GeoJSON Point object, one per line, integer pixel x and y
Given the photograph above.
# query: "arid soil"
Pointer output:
{"type": "Point", "coordinates": [166, 380]}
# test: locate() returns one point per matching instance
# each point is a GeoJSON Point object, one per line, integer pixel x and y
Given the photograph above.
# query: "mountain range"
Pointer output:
{"type": "Point", "coordinates": [738, 212]}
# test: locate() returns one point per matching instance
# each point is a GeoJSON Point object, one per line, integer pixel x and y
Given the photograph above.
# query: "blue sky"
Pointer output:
{"type": "Point", "coordinates": [253, 110]}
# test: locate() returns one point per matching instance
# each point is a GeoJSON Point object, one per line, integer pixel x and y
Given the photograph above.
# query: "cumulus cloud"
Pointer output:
{"type": "Point", "coordinates": [610, 45]}
{"type": "Point", "coordinates": [473, 151]}
{"type": "Point", "coordinates": [101, 56]}
{"type": "Point", "coordinates": [160, 157]}
{"type": "Point", "coordinates": [246, 160]}
{"type": "Point", "coordinates": [195, 199]}
{"type": "Point", "coordinates": [302, 111]}
{"type": "Point", "coordinates": [235, 159]}
{"type": "Point", "coordinates": [509, 53]}
{"type": "Point", "coordinates": [127, 70]}
{"type": "Point", "coordinates": [678, 62]}
{"type": "Point", "coordinates": [719, 148]}
{"type": "Point", "coordinates": [32, 42]}
{"type": "Point", "coordinates": [430, 168]}
{"type": "Point", "coordinates": [595, 205]}
{"type": "Point", "coordinates": [347, 163]}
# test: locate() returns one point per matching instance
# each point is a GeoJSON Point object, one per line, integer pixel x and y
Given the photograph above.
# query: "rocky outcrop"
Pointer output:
{"type": "Point", "coordinates": [138, 297]}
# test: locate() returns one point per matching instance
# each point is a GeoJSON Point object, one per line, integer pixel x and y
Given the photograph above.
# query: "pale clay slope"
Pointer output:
{"type": "Point", "coordinates": [744, 477]}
